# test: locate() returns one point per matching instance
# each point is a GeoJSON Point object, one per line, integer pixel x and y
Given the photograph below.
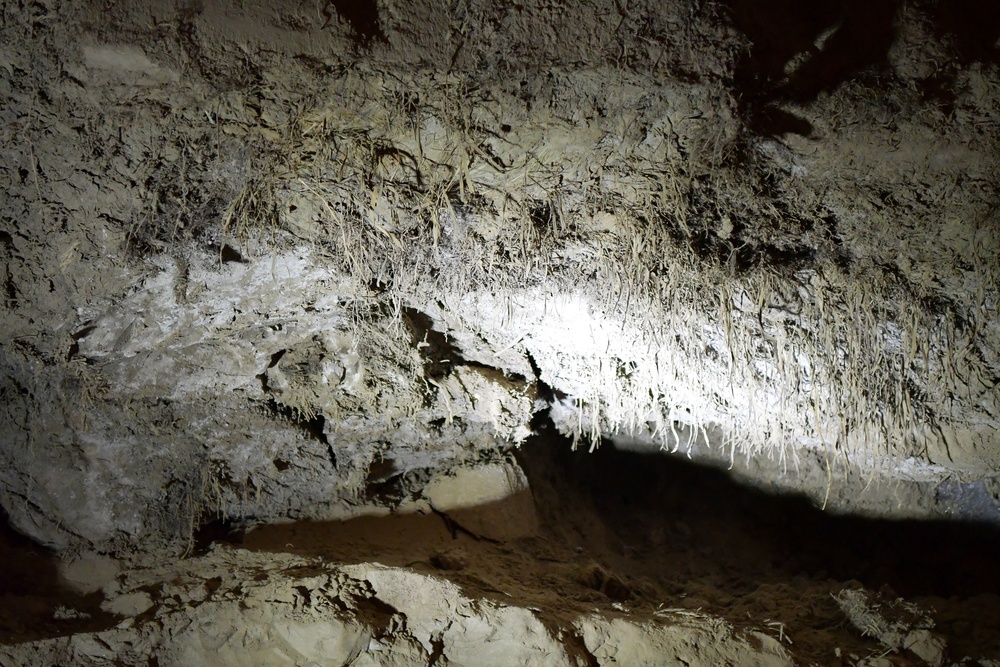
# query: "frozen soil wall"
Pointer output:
{"type": "Point", "coordinates": [281, 261]}
{"type": "Point", "coordinates": [258, 258]}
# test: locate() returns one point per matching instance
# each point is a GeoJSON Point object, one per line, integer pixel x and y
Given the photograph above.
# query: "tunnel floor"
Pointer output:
{"type": "Point", "coordinates": [623, 532]}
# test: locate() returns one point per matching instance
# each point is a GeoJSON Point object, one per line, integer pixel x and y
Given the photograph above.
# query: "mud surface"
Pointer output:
{"type": "Point", "coordinates": [626, 534]}
{"type": "Point", "coordinates": [649, 532]}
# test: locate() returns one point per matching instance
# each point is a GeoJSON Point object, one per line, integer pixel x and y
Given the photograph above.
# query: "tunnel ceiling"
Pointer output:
{"type": "Point", "coordinates": [265, 259]}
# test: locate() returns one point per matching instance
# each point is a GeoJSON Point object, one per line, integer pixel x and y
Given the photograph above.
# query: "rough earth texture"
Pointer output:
{"type": "Point", "coordinates": [276, 611]}
{"type": "Point", "coordinates": [280, 261]}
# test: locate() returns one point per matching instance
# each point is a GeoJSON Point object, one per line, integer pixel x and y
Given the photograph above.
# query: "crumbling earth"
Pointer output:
{"type": "Point", "coordinates": [268, 263]}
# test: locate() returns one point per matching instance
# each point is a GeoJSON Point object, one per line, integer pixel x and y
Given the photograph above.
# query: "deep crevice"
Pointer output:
{"type": "Point", "coordinates": [227, 253]}
{"type": "Point", "coordinates": [854, 35]}
{"type": "Point", "coordinates": [218, 529]}
{"type": "Point", "coordinates": [437, 650]}
{"type": "Point", "coordinates": [362, 16]}
{"type": "Point", "coordinates": [438, 353]}
{"type": "Point", "coordinates": [10, 291]}
{"type": "Point", "coordinates": [313, 426]}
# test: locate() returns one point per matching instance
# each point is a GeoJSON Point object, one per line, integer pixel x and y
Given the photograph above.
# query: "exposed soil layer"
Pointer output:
{"type": "Point", "coordinates": [252, 251]}
{"type": "Point", "coordinates": [273, 260]}
{"type": "Point", "coordinates": [649, 531]}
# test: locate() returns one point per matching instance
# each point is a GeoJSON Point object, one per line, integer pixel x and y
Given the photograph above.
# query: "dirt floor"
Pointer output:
{"type": "Point", "coordinates": [642, 532]}
{"type": "Point", "coordinates": [627, 533]}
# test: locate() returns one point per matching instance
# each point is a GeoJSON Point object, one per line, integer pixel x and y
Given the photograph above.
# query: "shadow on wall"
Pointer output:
{"type": "Point", "coordinates": [692, 522]}
{"type": "Point", "coordinates": [801, 49]}
{"type": "Point", "coordinates": [35, 603]}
